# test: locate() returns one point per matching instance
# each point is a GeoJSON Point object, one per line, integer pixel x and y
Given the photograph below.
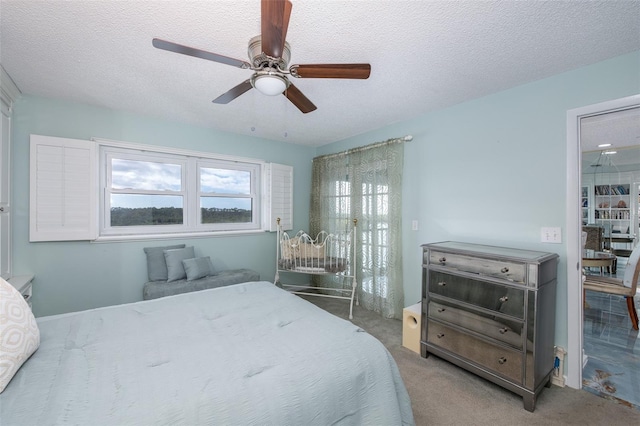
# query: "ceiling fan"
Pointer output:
{"type": "Point", "coordinates": [269, 55]}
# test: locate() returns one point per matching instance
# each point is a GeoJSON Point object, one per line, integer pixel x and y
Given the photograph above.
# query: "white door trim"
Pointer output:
{"type": "Point", "coordinates": [574, 228]}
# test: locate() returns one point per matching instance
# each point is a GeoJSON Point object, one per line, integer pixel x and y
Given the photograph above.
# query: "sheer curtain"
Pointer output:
{"type": "Point", "coordinates": [365, 184]}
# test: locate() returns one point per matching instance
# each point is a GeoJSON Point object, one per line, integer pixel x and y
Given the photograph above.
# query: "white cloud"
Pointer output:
{"type": "Point", "coordinates": [223, 181]}
{"type": "Point", "coordinates": [147, 175]}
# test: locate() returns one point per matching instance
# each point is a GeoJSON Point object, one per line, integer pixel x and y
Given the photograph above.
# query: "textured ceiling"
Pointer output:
{"type": "Point", "coordinates": [425, 55]}
{"type": "Point", "coordinates": [621, 129]}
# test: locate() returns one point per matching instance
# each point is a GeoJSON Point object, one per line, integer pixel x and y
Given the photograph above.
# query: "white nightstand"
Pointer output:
{"type": "Point", "coordinates": [23, 283]}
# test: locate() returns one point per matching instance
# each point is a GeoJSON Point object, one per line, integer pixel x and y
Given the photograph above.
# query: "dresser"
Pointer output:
{"type": "Point", "coordinates": [491, 310]}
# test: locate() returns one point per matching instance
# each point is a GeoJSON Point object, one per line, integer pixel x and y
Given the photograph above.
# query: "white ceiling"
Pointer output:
{"type": "Point", "coordinates": [425, 55]}
{"type": "Point", "coordinates": [620, 129]}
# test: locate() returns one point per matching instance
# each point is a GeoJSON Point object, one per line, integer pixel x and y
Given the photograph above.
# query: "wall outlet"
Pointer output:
{"type": "Point", "coordinates": [414, 225]}
{"type": "Point", "coordinates": [551, 235]}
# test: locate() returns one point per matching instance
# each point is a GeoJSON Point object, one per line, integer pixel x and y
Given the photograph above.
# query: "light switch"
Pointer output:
{"type": "Point", "coordinates": [551, 235]}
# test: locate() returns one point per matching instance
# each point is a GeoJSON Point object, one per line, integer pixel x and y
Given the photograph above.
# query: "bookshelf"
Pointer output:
{"type": "Point", "coordinates": [585, 205]}
{"type": "Point", "coordinates": [612, 209]}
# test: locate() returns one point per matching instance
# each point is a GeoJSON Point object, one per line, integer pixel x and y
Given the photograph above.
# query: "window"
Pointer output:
{"type": "Point", "coordinates": [159, 193]}
{"type": "Point", "coordinates": [101, 189]}
{"type": "Point", "coordinates": [227, 195]}
{"type": "Point", "coordinates": [375, 238]}
{"type": "Point", "coordinates": [143, 191]}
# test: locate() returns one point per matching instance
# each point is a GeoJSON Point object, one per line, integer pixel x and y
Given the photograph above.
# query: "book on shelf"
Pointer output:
{"type": "Point", "coordinates": [612, 190]}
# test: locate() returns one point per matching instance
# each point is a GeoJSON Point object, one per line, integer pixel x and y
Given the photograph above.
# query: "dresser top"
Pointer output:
{"type": "Point", "coordinates": [485, 250]}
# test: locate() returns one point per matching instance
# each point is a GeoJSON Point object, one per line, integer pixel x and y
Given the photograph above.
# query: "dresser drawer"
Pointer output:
{"type": "Point", "coordinates": [505, 362]}
{"type": "Point", "coordinates": [504, 269]}
{"type": "Point", "coordinates": [505, 331]}
{"type": "Point", "coordinates": [499, 298]}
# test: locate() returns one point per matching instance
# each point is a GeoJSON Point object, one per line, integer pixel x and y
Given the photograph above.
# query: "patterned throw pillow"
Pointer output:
{"type": "Point", "coordinates": [19, 334]}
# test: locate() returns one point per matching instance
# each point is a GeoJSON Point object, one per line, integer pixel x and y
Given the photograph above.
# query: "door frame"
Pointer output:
{"type": "Point", "coordinates": [575, 358]}
{"type": "Point", "coordinates": [8, 95]}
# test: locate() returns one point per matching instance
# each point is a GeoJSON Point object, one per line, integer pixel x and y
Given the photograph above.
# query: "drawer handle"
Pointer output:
{"type": "Point", "coordinates": [441, 309]}
{"type": "Point", "coordinates": [503, 330]}
{"type": "Point", "coordinates": [440, 335]}
{"type": "Point", "coordinates": [442, 259]}
{"type": "Point", "coordinates": [504, 299]}
{"type": "Point", "coordinates": [502, 360]}
{"type": "Point", "coordinates": [442, 283]}
{"type": "Point", "coordinates": [504, 270]}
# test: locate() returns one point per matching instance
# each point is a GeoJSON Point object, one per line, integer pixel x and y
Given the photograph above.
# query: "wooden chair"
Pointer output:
{"type": "Point", "coordinates": [623, 287]}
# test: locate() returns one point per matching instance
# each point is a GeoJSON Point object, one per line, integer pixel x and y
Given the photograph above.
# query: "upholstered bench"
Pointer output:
{"type": "Point", "coordinates": [155, 289]}
{"type": "Point", "coordinates": [175, 270]}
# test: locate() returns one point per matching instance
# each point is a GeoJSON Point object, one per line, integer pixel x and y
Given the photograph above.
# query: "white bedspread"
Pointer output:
{"type": "Point", "coordinates": [239, 355]}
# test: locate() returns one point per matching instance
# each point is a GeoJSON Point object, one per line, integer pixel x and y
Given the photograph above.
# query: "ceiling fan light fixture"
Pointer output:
{"type": "Point", "coordinates": [269, 84]}
{"type": "Point", "coordinates": [269, 55]}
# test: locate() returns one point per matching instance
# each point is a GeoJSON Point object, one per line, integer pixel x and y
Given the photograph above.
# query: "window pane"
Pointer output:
{"type": "Point", "coordinates": [147, 175]}
{"type": "Point", "coordinates": [223, 181]}
{"type": "Point", "coordinates": [225, 210]}
{"type": "Point", "coordinates": [342, 198]}
{"type": "Point", "coordinates": [137, 210]}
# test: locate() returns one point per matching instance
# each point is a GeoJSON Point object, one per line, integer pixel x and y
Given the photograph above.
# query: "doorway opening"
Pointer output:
{"type": "Point", "coordinates": [577, 141]}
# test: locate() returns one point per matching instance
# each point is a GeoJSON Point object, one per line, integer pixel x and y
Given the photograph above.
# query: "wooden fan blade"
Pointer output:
{"type": "Point", "coordinates": [275, 16]}
{"type": "Point", "coordinates": [202, 54]}
{"type": "Point", "coordinates": [233, 93]}
{"type": "Point", "coordinates": [356, 71]}
{"type": "Point", "coordinates": [299, 100]}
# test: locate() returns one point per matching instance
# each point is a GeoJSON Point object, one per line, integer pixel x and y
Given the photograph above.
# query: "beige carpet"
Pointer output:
{"type": "Point", "coordinates": [443, 394]}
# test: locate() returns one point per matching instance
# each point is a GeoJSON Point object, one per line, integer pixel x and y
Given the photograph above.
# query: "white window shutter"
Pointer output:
{"type": "Point", "coordinates": [63, 190]}
{"type": "Point", "coordinates": [279, 196]}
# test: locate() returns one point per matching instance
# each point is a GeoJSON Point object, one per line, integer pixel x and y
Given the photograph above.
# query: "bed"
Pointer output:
{"type": "Point", "coordinates": [327, 253]}
{"type": "Point", "coordinates": [246, 354]}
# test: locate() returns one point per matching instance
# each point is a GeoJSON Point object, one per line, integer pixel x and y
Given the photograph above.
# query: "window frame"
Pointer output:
{"type": "Point", "coordinates": [191, 163]}
{"type": "Point", "coordinates": [254, 194]}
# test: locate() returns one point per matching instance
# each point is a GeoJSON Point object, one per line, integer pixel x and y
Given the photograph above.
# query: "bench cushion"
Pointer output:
{"type": "Point", "coordinates": [156, 289]}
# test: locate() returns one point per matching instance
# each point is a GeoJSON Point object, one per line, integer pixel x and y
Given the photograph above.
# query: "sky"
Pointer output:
{"type": "Point", "coordinates": [159, 177]}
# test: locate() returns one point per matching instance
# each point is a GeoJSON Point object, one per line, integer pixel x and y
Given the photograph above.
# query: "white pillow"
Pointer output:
{"type": "Point", "coordinates": [19, 334]}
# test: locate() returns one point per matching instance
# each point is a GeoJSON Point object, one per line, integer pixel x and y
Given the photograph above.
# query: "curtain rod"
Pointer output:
{"type": "Point", "coordinates": [406, 138]}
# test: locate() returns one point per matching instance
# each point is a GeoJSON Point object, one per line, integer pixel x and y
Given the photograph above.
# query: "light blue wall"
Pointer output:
{"type": "Point", "coordinates": [493, 170]}
{"type": "Point", "coordinates": [72, 276]}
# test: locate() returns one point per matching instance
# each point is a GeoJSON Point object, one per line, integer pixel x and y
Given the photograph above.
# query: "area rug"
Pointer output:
{"type": "Point", "coordinates": [613, 350]}
{"type": "Point", "coordinates": [601, 379]}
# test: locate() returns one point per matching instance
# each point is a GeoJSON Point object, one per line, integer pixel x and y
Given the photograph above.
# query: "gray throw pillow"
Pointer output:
{"type": "Point", "coordinates": [198, 267]}
{"type": "Point", "coordinates": [174, 258]}
{"type": "Point", "coordinates": [156, 263]}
